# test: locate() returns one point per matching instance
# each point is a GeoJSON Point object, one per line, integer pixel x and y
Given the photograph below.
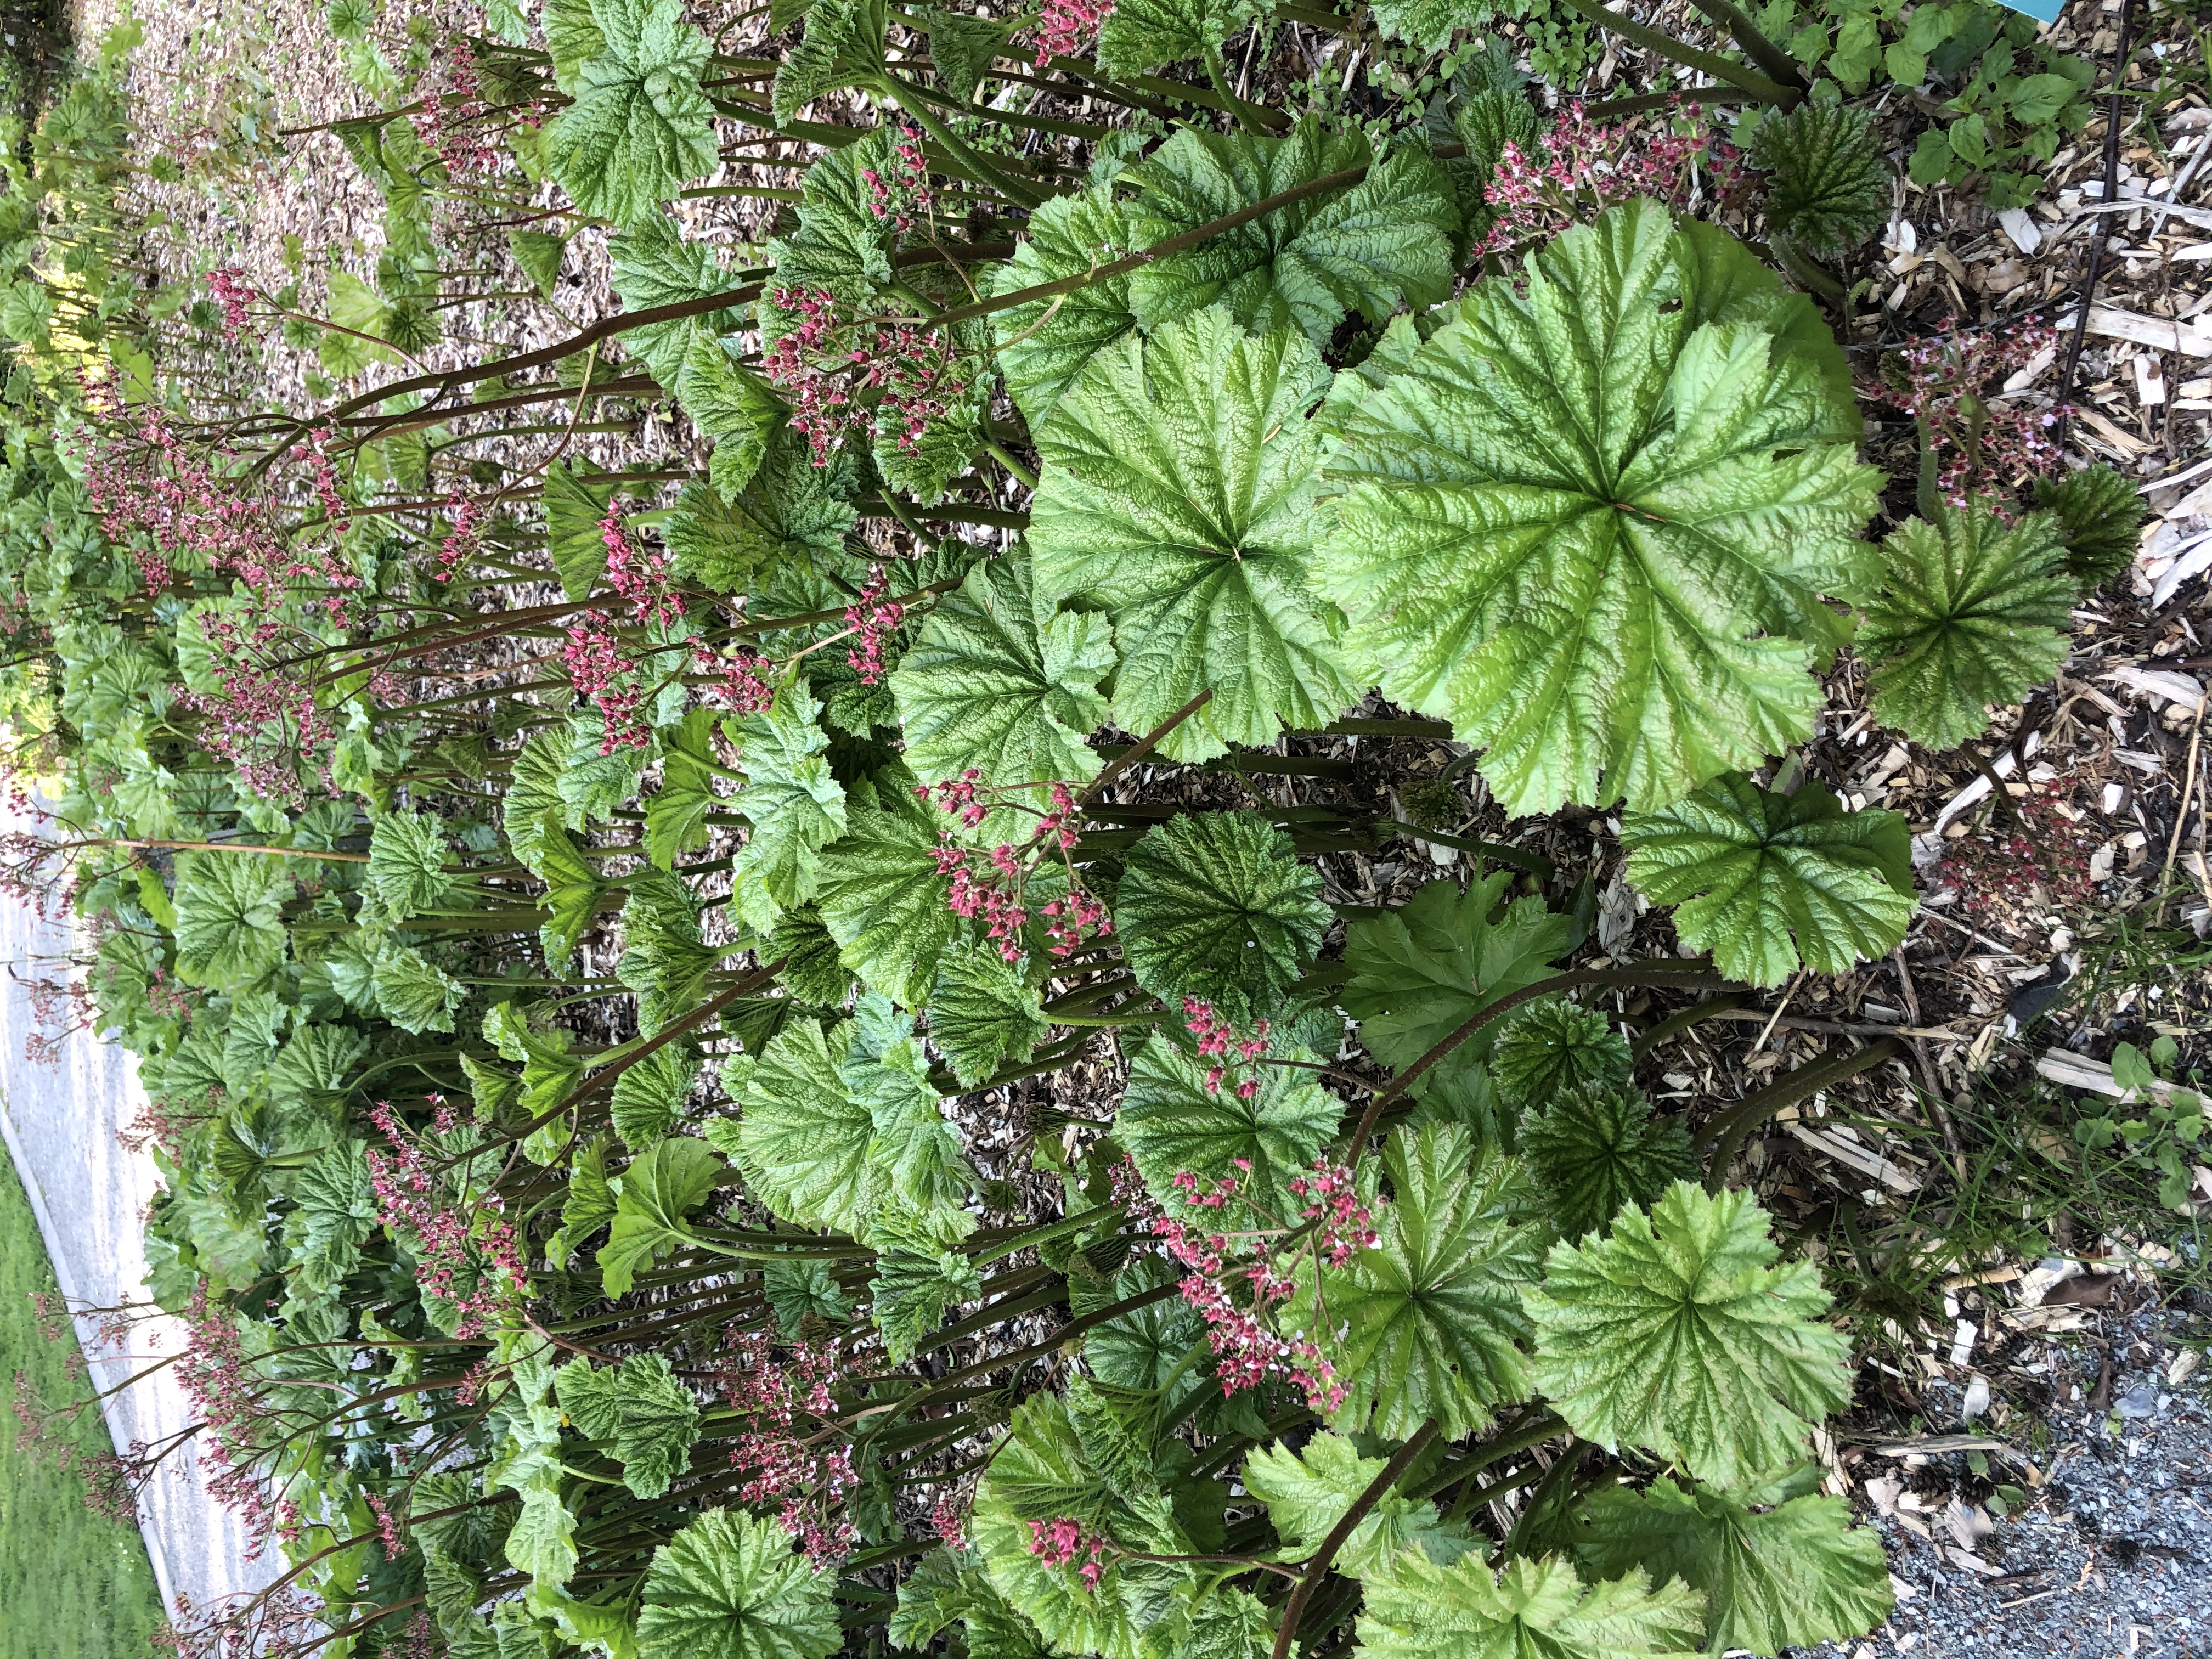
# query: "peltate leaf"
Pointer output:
{"type": "Point", "coordinates": [1970, 612]}
{"type": "Point", "coordinates": [732, 406]}
{"type": "Point", "coordinates": [1675, 1332]}
{"type": "Point", "coordinates": [795, 805]}
{"type": "Point", "coordinates": [1748, 869]}
{"type": "Point", "coordinates": [229, 917]}
{"type": "Point", "coordinates": [1551, 1044]}
{"type": "Point", "coordinates": [1147, 34]}
{"type": "Point", "coordinates": [843, 46]}
{"type": "Point", "coordinates": [573, 892]}
{"type": "Point", "coordinates": [1216, 906]}
{"type": "Point", "coordinates": [407, 863]}
{"type": "Point", "coordinates": [665, 960]}
{"type": "Point", "coordinates": [799, 1287]}
{"type": "Point", "coordinates": [2098, 512]}
{"type": "Point", "coordinates": [1831, 181]}
{"type": "Point", "coordinates": [676, 815]}
{"type": "Point", "coordinates": [413, 992]}
{"type": "Point", "coordinates": [658, 1190]}
{"type": "Point", "coordinates": [574, 510]}
{"type": "Point", "coordinates": [801, 1142]}
{"type": "Point", "coordinates": [1596, 1147]}
{"type": "Point", "coordinates": [1381, 244]}
{"type": "Point", "coordinates": [1533, 1610]}
{"type": "Point", "coordinates": [730, 1586]}
{"type": "Point", "coordinates": [882, 896]}
{"type": "Point", "coordinates": [1421, 971]}
{"type": "Point", "coordinates": [648, 1097]}
{"type": "Point", "coordinates": [1044, 344]}
{"type": "Point", "coordinates": [654, 265]}
{"type": "Point", "coordinates": [1785, 1576]}
{"type": "Point", "coordinates": [1041, 1472]}
{"type": "Point", "coordinates": [791, 512]}
{"type": "Point", "coordinates": [812, 968]}
{"type": "Point", "coordinates": [915, 1150]}
{"type": "Point", "coordinates": [912, 1292]}
{"type": "Point", "coordinates": [946, 1589]}
{"type": "Point", "coordinates": [1431, 1318]}
{"type": "Point", "coordinates": [993, 686]}
{"type": "Point", "coordinates": [1590, 524]}
{"type": "Point", "coordinates": [640, 128]}
{"type": "Point", "coordinates": [983, 1013]}
{"type": "Point", "coordinates": [637, 1411]}
{"type": "Point", "coordinates": [1171, 1122]}
{"type": "Point", "coordinates": [1178, 493]}
{"type": "Point", "coordinates": [1308, 1492]}
{"type": "Point", "coordinates": [961, 49]}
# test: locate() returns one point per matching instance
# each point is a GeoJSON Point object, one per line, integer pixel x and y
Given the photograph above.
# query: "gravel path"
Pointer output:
{"type": "Point", "coordinates": [60, 1123]}
{"type": "Point", "coordinates": [2106, 1551]}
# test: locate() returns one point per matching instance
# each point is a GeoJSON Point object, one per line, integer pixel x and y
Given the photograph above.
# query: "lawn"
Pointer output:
{"type": "Point", "coordinates": [72, 1585]}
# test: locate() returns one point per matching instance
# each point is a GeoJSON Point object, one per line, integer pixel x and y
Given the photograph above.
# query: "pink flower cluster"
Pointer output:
{"type": "Point", "coordinates": [871, 618]}
{"type": "Point", "coordinates": [59, 1009]}
{"type": "Point", "coordinates": [1947, 382]}
{"type": "Point", "coordinates": [389, 1533]}
{"type": "Point", "coordinates": [638, 575]}
{"type": "Point", "coordinates": [1217, 1041]}
{"type": "Point", "coordinates": [1584, 167]}
{"type": "Point", "coordinates": [449, 123]}
{"type": "Point", "coordinates": [593, 655]}
{"type": "Point", "coordinates": [174, 495]}
{"type": "Point", "coordinates": [826, 366]}
{"type": "Point", "coordinates": [1070, 921]}
{"type": "Point", "coordinates": [217, 1376]}
{"type": "Point", "coordinates": [744, 684]}
{"type": "Point", "coordinates": [1066, 28]}
{"type": "Point", "coordinates": [995, 895]}
{"type": "Point", "coordinates": [461, 544]}
{"type": "Point", "coordinates": [963, 795]}
{"type": "Point", "coordinates": [948, 1519]}
{"type": "Point", "coordinates": [794, 1470]}
{"type": "Point", "coordinates": [263, 724]}
{"type": "Point", "coordinates": [1062, 1542]}
{"type": "Point", "coordinates": [452, 1239]}
{"type": "Point", "coordinates": [288, 1619]}
{"type": "Point", "coordinates": [902, 190]}
{"type": "Point", "coordinates": [991, 896]}
{"type": "Point", "coordinates": [234, 295]}
{"type": "Point", "coordinates": [1219, 1259]}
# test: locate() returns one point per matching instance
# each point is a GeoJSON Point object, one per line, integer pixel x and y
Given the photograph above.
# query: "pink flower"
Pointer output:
{"type": "Point", "coordinates": [871, 618]}
{"type": "Point", "coordinates": [1066, 28]}
{"type": "Point", "coordinates": [232, 293]}
{"type": "Point", "coordinates": [785, 1463]}
{"type": "Point", "coordinates": [1948, 382]}
{"type": "Point", "coordinates": [1061, 1542]}
{"type": "Point", "coordinates": [451, 123]}
{"type": "Point", "coordinates": [1583, 168]}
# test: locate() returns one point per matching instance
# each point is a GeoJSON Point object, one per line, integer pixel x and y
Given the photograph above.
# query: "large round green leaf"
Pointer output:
{"type": "Point", "coordinates": [1431, 1319]}
{"type": "Point", "coordinates": [1749, 868]}
{"type": "Point", "coordinates": [1677, 1333]}
{"type": "Point", "coordinates": [993, 685]}
{"type": "Point", "coordinates": [729, 1587]}
{"type": "Point", "coordinates": [1971, 611]}
{"type": "Point", "coordinates": [1216, 906]}
{"type": "Point", "coordinates": [1177, 494]}
{"type": "Point", "coordinates": [229, 917]}
{"type": "Point", "coordinates": [1589, 523]}
{"type": "Point", "coordinates": [640, 128]}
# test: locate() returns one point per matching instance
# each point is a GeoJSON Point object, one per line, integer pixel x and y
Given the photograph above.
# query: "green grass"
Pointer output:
{"type": "Point", "coordinates": [72, 1585]}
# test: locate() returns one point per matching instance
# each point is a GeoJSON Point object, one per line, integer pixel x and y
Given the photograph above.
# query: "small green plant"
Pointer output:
{"type": "Point", "coordinates": [2007, 100]}
{"type": "Point", "coordinates": [2156, 1125]}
